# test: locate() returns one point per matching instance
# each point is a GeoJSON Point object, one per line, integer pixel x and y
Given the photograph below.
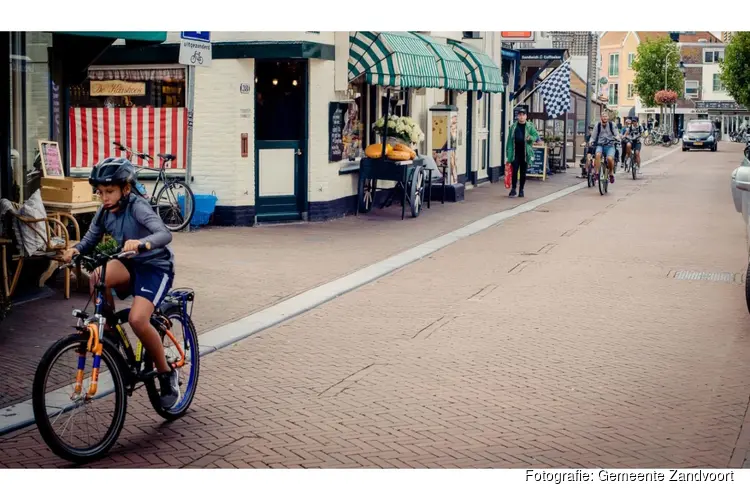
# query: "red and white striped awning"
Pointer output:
{"type": "Point", "coordinates": [148, 130]}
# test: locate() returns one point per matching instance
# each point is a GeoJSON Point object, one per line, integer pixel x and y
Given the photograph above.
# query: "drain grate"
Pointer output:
{"type": "Point", "coordinates": [706, 276]}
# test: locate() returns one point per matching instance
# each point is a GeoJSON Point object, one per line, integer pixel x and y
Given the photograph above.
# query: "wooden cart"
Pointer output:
{"type": "Point", "coordinates": [412, 179]}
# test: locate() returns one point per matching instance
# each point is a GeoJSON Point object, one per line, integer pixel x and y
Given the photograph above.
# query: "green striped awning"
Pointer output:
{"type": "Point", "coordinates": [481, 72]}
{"type": "Point", "coordinates": [137, 36]}
{"type": "Point", "coordinates": [393, 59]}
{"type": "Point", "coordinates": [449, 65]}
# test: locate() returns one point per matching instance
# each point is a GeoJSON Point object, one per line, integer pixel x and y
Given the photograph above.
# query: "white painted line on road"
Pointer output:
{"type": "Point", "coordinates": [21, 415]}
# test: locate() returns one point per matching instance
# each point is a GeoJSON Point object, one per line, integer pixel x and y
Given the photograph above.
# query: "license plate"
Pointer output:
{"type": "Point", "coordinates": [698, 144]}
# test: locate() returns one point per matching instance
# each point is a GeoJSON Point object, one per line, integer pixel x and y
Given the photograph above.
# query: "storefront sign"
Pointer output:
{"type": "Point", "coordinates": [719, 105]}
{"type": "Point", "coordinates": [117, 88]}
{"type": "Point", "coordinates": [55, 126]}
{"type": "Point", "coordinates": [51, 159]}
{"type": "Point", "coordinates": [337, 112]}
{"type": "Point", "coordinates": [541, 57]}
{"type": "Point", "coordinates": [517, 36]}
{"type": "Point", "coordinates": [537, 167]}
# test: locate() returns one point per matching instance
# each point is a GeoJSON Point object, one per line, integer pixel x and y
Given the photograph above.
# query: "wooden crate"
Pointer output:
{"type": "Point", "coordinates": [66, 190]}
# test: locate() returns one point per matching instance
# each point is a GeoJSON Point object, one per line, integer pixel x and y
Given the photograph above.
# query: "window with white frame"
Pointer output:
{"type": "Point", "coordinates": [631, 58]}
{"type": "Point", "coordinates": [613, 93]}
{"type": "Point", "coordinates": [692, 88]}
{"type": "Point", "coordinates": [614, 64]}
{"type": "Point", "coordinates": [631, 90]}
{"type": "Point", "coordinates": [713, 55]}
{"type": "Point", "coordinates": [718, 84]}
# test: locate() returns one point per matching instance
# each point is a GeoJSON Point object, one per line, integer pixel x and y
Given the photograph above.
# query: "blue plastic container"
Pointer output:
{"type": "Point", "coordinates": [205, 204]}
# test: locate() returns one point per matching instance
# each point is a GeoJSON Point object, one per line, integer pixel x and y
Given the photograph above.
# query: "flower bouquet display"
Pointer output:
{"type": "Point", "coordinates": [400, 129]}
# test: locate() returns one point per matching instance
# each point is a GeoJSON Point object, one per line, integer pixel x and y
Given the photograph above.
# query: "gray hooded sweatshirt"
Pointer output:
{"type": "Point", "coordinates": [137, 222]}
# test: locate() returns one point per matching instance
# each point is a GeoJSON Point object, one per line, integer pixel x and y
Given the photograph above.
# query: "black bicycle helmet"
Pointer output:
{"type": "Point", "coordinates": [112, 171]}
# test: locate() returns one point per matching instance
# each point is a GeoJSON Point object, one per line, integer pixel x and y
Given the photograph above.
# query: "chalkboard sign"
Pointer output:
{"type": "Point", "coordinates": [51, 160]}
{"type": "Point", "coordinates": [537, 168]}
{"type": "Point", "coordinates": [337, 113]}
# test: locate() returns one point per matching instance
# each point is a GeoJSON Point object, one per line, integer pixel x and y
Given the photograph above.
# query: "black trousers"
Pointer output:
{"type": "Point", "coordinates": [522, 166]}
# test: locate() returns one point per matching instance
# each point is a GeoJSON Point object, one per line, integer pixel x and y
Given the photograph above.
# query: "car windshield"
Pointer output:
{"type": "Point", "coordinates": [699, 127]}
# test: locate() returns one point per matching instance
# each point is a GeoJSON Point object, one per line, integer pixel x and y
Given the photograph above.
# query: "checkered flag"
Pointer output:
{"type": "Point", "coordinates": [555, 90]}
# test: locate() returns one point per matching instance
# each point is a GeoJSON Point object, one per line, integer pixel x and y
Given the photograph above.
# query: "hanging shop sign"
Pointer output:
{"type": "Point", "coordinates": [117, 88]}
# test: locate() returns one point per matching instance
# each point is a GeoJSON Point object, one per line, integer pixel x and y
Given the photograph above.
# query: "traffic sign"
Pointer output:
{"type": "Point", "coordinates": [197, 36]}
{"type": "Point", "coordinates": [195, 48]}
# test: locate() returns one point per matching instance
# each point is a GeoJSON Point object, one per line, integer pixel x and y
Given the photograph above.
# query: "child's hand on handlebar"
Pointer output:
{"type": "Point", "coordinates": [131, 246]}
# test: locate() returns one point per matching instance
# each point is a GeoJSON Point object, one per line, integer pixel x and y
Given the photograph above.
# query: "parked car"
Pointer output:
{"type": "Point", "coordinates": [741, 198]}
{"type": "Point", "coordinates": [700, 134]}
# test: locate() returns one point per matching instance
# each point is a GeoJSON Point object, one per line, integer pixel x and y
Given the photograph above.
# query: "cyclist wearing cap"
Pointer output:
{"type": "Point", "coordinates": [604, 138]}
{"type": "Point", "coordinates": [148, 276]}
{"type": "Point", "coordinates": [631, 140]}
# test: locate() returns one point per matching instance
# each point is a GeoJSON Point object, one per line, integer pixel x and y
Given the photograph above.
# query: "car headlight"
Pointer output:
{"type": "Point", "coordinates": [710, 138]}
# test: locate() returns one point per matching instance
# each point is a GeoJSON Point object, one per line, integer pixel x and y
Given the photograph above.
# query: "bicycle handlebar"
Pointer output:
{"type": "Point", "coordinates": [101, 259]}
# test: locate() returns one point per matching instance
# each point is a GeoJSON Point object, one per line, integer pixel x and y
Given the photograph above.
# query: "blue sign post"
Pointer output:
{"type": "Point", "coordinates": [198, 36]}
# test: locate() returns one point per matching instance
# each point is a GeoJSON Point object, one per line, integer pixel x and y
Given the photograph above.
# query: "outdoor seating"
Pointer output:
{"type": "Point", "coordinates": [26, 233]}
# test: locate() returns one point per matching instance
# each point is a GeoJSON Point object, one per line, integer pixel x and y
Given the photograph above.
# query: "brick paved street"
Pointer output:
{"type": "Point", "coordinates": [238, 271]}
{"type": "Point", "coordinates": [558, 338]}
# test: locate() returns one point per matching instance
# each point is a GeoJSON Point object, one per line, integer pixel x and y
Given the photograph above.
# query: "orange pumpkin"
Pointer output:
{"type": "Point", "coordinates": [406, 149]}
{"type": "Point", "coordinates": [376, 150]}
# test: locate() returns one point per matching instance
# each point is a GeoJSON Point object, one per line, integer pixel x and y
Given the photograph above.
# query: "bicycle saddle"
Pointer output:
{"type": "Point", "coordinates": [166, 157]}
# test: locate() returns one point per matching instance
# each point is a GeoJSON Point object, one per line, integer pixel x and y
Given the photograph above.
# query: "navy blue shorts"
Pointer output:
{"type": "Point", "coordinates": [147, 281]}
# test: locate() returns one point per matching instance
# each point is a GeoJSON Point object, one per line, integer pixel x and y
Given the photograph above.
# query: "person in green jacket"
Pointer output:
{"type": "Point", "coordinates": [518, 149]}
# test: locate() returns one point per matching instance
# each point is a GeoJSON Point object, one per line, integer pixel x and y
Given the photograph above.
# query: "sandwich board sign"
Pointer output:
{"type": "Point", "coordinates": [195, 48]}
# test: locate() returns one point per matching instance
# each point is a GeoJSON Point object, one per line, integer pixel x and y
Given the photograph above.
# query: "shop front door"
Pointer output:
{"type": "Point", "coordinates": [281, 140]}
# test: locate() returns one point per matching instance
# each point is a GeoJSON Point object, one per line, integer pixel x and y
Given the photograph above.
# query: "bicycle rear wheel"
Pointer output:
{"type": "Point", "coordinates": [58, 409]}
{"type": "Point", "coordinates": [187, 336]}
{"type": "Point", "coordinates": [175, 213]}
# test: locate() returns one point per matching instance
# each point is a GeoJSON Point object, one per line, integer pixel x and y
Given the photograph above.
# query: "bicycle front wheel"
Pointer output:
{"type": "Point", "coordinates": [76, 427]}
{"type": "Point", "coordinates": [175, 205]}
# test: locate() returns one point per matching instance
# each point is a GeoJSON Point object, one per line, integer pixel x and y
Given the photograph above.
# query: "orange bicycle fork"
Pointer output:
{"type": "Point", "coordinates": [95, 346]}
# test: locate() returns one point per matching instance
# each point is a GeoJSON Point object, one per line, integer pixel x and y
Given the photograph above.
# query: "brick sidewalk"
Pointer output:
{"type": "Point", "coordinates": [508, 357]}
{"type": "Point", "coordinates": [238, 271]}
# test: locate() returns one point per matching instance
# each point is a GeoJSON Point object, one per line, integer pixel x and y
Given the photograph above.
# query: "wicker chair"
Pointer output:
{"type": "Point", "coordinates": [51, 239]}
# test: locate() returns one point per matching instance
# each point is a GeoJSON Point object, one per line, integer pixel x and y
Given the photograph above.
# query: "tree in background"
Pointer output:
{"type": "Point", "coordinates": [735, 68]}
{"type": "Point", "coordinates": [649, 64]}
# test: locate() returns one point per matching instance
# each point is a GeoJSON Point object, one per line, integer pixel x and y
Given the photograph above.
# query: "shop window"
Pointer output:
{"type": "Point", "coordinates": [30, 111]}
{"type": "Point", "coordinates": [143, 108]}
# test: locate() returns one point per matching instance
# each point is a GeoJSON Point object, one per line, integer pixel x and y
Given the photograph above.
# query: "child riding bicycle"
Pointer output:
{"type": "Point", "coordinates": [148, 276]}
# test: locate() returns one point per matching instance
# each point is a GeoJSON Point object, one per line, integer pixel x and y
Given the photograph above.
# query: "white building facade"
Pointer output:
{"type": "Point", "coordinates": [263, 110]}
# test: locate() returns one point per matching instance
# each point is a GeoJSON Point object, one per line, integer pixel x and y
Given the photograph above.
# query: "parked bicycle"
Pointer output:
{"type": "Point", "coordinates": [166, 203]}
{"type": "Point", "coordinates": [102, 339]}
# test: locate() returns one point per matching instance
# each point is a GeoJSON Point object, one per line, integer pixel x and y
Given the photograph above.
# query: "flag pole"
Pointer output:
{"type": "Point", "coordinates": [542, 82]}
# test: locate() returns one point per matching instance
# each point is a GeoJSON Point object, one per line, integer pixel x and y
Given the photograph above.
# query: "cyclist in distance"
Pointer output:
{"type": "Point", "coordinates": [147, 276]}
{"type": "Point", "coordinates": [604, 138]}
{"type": "Point", "coordinates": [631, 140]}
